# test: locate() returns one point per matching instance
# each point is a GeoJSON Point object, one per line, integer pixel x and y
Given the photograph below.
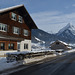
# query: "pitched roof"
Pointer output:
{"type": "Point", "coordinates": [10, 8]}
{"type": "Point", "coordinates": [59, 41]}
{"type": "Point", "coordinates": [21, 9]}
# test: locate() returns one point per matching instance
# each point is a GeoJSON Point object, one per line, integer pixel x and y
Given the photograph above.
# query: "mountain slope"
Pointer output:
{"type": "Point", "coordinates": [39, 35]}
{"type": "Point", "coordinates": [67, 33]}
{"type": "Point", "coordinates": [67, 28]}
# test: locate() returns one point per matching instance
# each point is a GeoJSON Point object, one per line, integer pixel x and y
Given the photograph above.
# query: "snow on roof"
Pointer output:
{"type": "Point", "coordinates": [59, 41]}
{"type": "Point", "coordinates": [52, 42]}
{"type": "Point", "coordinates": [10, 8]}
{"type": "Point", "coordinates": [63, 42]}
{"type": "Point", "coordinates": [37, 39]}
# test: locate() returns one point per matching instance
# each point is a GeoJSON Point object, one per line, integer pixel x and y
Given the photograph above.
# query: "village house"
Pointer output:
{"type": "Point", "coordinates": [15, 29]}
{"type": "Point", "coordinates": [56, 45]}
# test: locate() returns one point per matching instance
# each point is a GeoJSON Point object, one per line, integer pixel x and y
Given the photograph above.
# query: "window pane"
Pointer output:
{"type": "Point", "coordinates": [25, 46]}
{"type": "Point", "coordinates": [12, 46]}
{"type": "Point", "coordinates": [20, 19]}
{"type": "Point", "coordinates": [3, 27]}
{"type": "Point", "coordinates": [16, 30]}
{"type": "Point", "coordinates": [9, 46]}
{"type": "Point", "coordinates": [14, 17]}
{"type": "Point", "coordinates": [2, 46]}
{"type": "Point", "coordinates": [26, 32]}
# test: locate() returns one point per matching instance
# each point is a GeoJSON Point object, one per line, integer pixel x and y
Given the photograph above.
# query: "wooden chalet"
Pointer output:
{"type": "Point", "coordinates": [56, 45]}
{"type": "Point", "coordinates": [15, 28]}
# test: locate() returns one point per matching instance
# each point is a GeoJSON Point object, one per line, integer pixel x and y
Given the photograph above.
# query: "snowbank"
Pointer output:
{"type": "Point", "coordinates": [4, 65]}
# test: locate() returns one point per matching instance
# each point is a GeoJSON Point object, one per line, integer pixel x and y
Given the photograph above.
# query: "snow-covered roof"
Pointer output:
{"type": "Point", "coordinates": [63, 42]}
{"type": "Point", "coordinates": [52, 42]}
{"type": "Point", "coordinates": [59, 41]}
{"type": "Point", "coordinates": [10, 8]}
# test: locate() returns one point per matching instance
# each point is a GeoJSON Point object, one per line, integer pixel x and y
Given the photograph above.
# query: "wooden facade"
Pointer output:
{"type": "Point", "coordinates": [8, 38]}
{"type": "Point", "coordinates": [59, 45]}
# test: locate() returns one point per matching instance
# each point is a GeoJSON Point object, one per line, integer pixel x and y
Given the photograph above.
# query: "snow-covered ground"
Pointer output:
{"type": "Point", "coordinates": [2, 53]}
{"type": "Point", "coordinates": [4, 65]}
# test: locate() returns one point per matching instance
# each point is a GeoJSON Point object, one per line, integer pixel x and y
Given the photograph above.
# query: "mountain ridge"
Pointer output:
{"type": "Point", "coordinates": [66, 34]}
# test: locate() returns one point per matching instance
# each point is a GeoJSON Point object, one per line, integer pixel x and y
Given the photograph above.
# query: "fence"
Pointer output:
{"type": "Point", "coordinates": [21, 56]}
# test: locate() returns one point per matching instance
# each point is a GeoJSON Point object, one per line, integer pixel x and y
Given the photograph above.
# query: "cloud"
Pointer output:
{"type": "Point", "coordinates": [52, 21]}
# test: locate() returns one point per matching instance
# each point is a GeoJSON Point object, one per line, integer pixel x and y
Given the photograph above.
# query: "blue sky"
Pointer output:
{"type": "Point", "coordinates": [49, 15]}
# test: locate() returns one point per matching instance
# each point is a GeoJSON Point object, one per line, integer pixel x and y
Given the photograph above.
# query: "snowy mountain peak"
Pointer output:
{"type": "Point", "coordinates": [69, 26]}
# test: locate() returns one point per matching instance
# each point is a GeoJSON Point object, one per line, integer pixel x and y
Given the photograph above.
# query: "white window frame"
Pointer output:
{"type": "Point", "coordinates": [15, 19]}
{"type": "Point", "coordinates": [15, 31]}
{"type": "Point", "coordinates": [26, 32]}
{"type": "Point", "coordinates": [3, 27]}
{"type": "Point", "coordinates": [20, 19]}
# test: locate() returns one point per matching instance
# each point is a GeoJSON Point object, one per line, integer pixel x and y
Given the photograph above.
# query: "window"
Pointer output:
{"type": "Point", "coordinates": [2, 46]}
{"type": "Point", "coordinates": [18, 46]}
{"type": "Point", "coordinates": [20, 19]}
{"type": "Point", "coordinates": [25, 46]}
{"type": "Point", "coordinates": [16, 30]}
{"type": "Point", "coordinates": [57, 43]}
{"type": "Point", "coordinates": [11, 46]}
{"type": "Point", "coordinates": [14, 16]}
{"type": "Point", "coordinates": [3, 27]}
{"type": "Point", "coordinates": [26, 33]}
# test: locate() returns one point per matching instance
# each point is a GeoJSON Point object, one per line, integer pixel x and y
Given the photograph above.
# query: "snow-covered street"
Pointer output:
{"type": "Point", "coordinates": [63, 65]}
{"type": "Point", "coordinates": [4, 65]}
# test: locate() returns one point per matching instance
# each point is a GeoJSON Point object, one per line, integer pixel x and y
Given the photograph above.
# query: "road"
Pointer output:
{"type": "Point", "coordinates": [64, 65]}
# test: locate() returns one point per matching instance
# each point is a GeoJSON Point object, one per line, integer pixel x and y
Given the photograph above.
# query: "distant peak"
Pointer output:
{"type": "Point", "coordinates": [69, 26]}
